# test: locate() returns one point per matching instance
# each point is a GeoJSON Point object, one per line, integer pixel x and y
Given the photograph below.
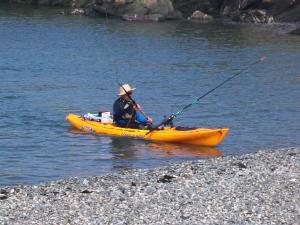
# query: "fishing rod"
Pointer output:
{"type": "Point", "coordinates": [169, 119]}
{"type": "Point", "coordinates": [131, 99]}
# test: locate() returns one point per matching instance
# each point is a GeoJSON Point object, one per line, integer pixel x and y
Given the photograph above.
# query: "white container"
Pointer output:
{"type": "Point", "coordinates": [106, 117]}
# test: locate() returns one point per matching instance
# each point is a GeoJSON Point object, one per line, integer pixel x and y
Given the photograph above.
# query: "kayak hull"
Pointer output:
{"type": "Point", "coordinates": [198, 136]}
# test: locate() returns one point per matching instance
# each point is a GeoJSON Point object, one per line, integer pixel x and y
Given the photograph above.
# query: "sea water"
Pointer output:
{"type": "Point", "coordinates": [52, 65]}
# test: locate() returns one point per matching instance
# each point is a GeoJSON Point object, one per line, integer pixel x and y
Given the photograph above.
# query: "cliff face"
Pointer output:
{"type": "Point", "coordinates": [254, 11]}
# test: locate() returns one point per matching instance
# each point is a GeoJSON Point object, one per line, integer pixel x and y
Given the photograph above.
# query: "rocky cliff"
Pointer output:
{"type": "Point", "coordinates": [253, 11]}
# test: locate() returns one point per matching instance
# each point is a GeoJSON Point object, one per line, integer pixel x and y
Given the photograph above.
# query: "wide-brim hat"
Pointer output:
{"type": "Point", "coordinates": [126, 87]}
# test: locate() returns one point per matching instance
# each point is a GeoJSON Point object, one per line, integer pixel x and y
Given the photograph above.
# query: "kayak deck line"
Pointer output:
{"type": "Point", "coordinates": [198, 136]}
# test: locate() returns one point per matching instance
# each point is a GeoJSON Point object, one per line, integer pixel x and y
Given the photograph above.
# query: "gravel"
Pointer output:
{"type": "Point", "coordinates": [259, 188]}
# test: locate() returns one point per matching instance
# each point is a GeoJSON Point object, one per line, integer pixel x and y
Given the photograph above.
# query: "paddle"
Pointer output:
{"type": "Point", "coordinates": [131, 99]}
{"type": "Point", "coordinates": [169, 119]}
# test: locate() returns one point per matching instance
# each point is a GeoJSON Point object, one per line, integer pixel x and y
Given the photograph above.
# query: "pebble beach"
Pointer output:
{"type": "Point", "coordinates": [258, 188]}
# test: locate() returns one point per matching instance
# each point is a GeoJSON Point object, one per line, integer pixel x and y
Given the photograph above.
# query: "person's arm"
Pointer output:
{"type": "Point", "coordinates": [117, 110]}
{"type": "Point", "coordinates": [137, 107]}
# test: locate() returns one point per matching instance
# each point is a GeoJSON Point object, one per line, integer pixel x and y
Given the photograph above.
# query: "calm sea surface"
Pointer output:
{"type": "Point", "coordinates": [52, 65]}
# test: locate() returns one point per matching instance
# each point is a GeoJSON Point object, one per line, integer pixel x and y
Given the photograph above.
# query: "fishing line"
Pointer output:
{"type": "Point", "coordinates": [169, 119]}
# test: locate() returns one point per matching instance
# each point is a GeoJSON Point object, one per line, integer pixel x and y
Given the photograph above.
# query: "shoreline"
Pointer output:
{"type": "Point", "coordinates": [257, 188]}
{"type": "Point", "coordinates": [281, 27]}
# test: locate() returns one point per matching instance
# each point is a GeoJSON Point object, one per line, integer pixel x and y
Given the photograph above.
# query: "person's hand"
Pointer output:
{"type": "Point", "coordinates": [149, 120]}
{"type": "Point", "coordinates": [137, 107]}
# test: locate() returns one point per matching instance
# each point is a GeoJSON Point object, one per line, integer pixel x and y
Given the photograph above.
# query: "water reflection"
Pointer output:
{"type": "Point", "coordinates": [135, 153]}
{"type": "Point", "coordinates": [121, 148]}
{"type": "Point", "coordinates": [125, 153]}
{"type": "Point", "coordinates": [124, 148]}
{"type": "Point", "coordinates": [185, 150]}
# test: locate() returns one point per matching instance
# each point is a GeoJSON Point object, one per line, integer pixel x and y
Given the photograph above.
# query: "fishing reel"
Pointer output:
{"type": "Point", "coordinates": [168, 121]}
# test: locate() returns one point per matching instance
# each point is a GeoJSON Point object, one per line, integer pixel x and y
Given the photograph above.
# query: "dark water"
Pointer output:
{"type": "Point", "coordinates": [52, 65]}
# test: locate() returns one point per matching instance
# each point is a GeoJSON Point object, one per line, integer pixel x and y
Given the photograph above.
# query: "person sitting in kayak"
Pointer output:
{"type": "Point", "coordinates": [126, 113]}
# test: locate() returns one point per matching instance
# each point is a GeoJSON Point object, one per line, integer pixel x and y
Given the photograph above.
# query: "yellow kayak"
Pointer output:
{"type": "Point", "coordinates": [198, 136]}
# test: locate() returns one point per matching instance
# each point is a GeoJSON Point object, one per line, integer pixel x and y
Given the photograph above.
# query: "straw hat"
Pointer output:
{"type": "Point", "coordinates": [126, 87]}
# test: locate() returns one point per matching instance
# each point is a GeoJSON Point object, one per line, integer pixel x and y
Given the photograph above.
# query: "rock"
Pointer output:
{"type": "Point", "coordinates": [68, 12]}
{"type": "Point", "coordinates": [165, 179]}
{"type": "Point", "coordinates": [86, 192]}
{"type": "Point", "coordinates": [283, 10]}
{"type": "Point", "coordinates": [262, 11]}
{"type": "Point", "coordinates": [247, 11]}
{"type": "Point", "coordinates": [292, 14]}
{"type": "Point", "coordinates": [200, 16]}
{"type": "Point", "coordinates": [78, 4]}
{"type": "Point", "coordinates": [241, 165]}
{"type": "Point", "coordinates": [3, 191]}
{"type": "Point", "coordinates": [3, 196]}
{"type": "Point", "coordinates": [85, 182]}
{"type": "Point", "coordinates": [230, 7]}
{"type": "Point", "coordinates": [187, 7]}
{"type": "Point", "coordinates": [296, 31]}
{"type": "Point", "coordinates": [254, 16]}
{"type": "Point", "coordinates": [137, 10]}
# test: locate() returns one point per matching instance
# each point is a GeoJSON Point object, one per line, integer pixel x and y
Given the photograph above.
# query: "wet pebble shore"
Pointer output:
{"type": "Point", "coordinates": [260, 188]}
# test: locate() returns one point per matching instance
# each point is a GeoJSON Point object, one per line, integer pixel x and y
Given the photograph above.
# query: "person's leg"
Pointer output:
{"type": "Point", "coordinates": [140, 118]}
